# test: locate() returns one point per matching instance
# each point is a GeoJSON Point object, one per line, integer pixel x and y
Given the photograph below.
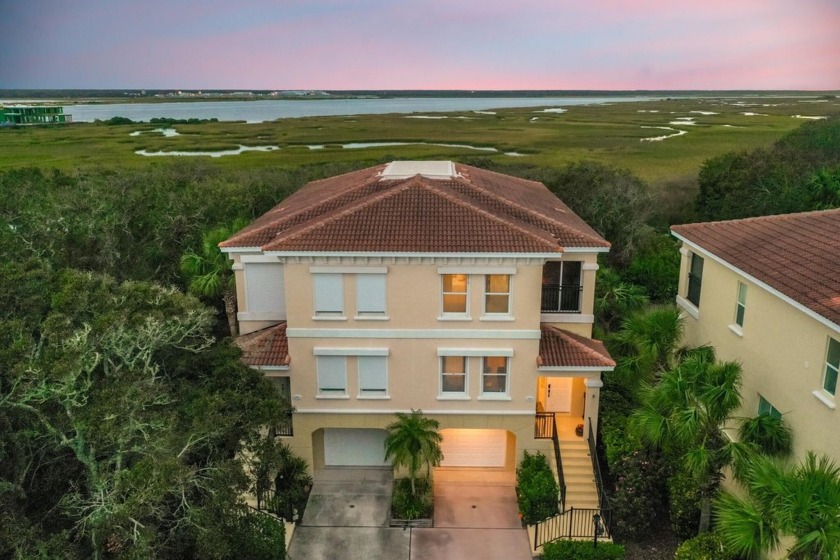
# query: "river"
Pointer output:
{"type": "Point", "coordinates": [269, 110]}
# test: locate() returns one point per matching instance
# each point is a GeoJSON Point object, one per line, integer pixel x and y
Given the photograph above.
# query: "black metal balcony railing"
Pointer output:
{"type": "Point", "coordinates": [561, 298]}
{"type": "Point", "coordinates": [694, 283]}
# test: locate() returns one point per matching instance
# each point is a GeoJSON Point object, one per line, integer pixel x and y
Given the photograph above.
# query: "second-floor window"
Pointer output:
{"type": "Point", "coordinates": [453, 376]}
{"type": "Point", "coordinates": [494, 375]}
{"type": "Point", "coordinates": [561, 287]}
{"type": "Point", "coordinates": [497, 294]}
{"type": "Point", "coordinates": [332, 376]}
{"type": "Point", "coordinates": [455, 294]}
{"type": "Point", "coordinates": [695, 279]}
{"type": "Point", "coordinates": [370, 295]}
{"type": "Point", "coordinates": [741, 304]}
{"type": "Point", "coordinates": [832, 367]}
{"type": "Point", "coordinates": [764, 407]}
{"type": "Point", "coordinates": [373, 376]}
{"type": "Point", "coordinates": [329, 295]}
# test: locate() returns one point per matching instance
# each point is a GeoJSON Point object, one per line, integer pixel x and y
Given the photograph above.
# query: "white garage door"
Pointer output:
{"type": "Point", "coordinates": [356, 447]}
{"type": "Point", "coordinates": [474, 448]}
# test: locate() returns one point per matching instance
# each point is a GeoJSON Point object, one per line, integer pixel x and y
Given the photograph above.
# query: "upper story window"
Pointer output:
{"type": "Point", "coordinates": [695, 279]}
{"type": "Point", "coordinates": [329, 295]}
{"type": "Point", "coordinates": [494, 375]}
{"type": "Point", "coordinates": [741, 304]}
{"type": "Point", "coordinates": [453, 376]}
{"type": "Point", "coordinates": [373, 376]}
{"type": "Point", "coordinates": [455, 294]}
{"type": "Point", "coordinates": [562, 287]}
{"type": "Point", "coordinates": [497, 294]}
{"type": "Point", "coordinates": [832, 367]}
{"type": "Point", "coordinates": [764, 407]}
{"type": "Point", "coordinates": [370, 295]}
{"type": "Point", "coordinates": [332, 376]}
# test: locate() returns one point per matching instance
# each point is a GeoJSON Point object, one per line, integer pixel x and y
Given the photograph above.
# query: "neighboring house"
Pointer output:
{"type": "Point", "coordinates": [423, 285]}
{"type": "Point", "coordinates": [766, 293]}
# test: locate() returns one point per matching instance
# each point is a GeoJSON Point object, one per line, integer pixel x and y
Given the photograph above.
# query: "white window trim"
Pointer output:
{"type": "Point", "coordinates": [494, 395]}
{"type": "Point", "coordinates": [458, 315]}
{"type": "Point", "coordinates": [739, 304]}
{"type": "Point", "coordinates": [825, 392]}
{"type": "Point", "coordinates": [507, 316]}
{"type": "Point", "coordinates": [480, 352]}
{"type": "Point", "coordinates": [453, 395]}
{"type": "Point", "coordinates": [335, 351]}
{"type": "Point", "coordinates": [688, 307]}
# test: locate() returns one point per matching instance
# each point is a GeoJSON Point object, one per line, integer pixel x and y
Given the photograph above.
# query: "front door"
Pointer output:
{"type": "Point", "coordinates": [558, 394]}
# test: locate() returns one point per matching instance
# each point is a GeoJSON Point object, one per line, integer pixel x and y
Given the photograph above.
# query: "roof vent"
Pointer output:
{"type": "Point", "coordinates": [431, 169]}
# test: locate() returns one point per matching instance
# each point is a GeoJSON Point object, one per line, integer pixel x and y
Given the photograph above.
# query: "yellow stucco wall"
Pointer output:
{"type": "Point", "coordinates": [782, 351]}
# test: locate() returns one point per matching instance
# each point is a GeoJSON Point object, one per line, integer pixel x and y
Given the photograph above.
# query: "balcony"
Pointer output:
{"type": "Point", "coordinates": [561, 298]}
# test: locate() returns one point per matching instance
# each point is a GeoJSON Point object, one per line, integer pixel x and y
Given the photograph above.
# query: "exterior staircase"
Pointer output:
{"type": "Point", "coordinates": [581, 491]}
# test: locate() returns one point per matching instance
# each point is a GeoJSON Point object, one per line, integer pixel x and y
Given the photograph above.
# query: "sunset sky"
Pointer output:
{"type": "Point", "coordinates": [421, 44]}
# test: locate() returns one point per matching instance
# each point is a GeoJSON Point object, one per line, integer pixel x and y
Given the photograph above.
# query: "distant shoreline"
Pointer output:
{"type": "Point", "coordinates": [111, 96]}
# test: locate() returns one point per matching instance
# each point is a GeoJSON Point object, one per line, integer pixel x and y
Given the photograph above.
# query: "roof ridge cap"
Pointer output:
{"type": "Point", "coordinates": [768, 217]}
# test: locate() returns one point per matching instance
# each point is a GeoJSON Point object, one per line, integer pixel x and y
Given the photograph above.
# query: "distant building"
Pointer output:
{"type": "Point", "coordinates": [33, 114]}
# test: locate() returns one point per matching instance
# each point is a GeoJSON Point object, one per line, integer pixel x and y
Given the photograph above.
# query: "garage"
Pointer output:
{"type": "Point", "coordinates": [354, 447]}
{"type": "Point", "coordinates": [474, 448]}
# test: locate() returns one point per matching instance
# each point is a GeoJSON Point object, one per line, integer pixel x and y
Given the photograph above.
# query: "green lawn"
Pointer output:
{"type": "Point", "coordinates": [609, 133]}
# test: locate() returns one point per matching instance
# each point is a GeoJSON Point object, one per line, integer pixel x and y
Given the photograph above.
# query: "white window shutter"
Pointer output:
{"type": "Point", "coordinates": [370, 293]}
{"type": "Point", "coordinates": [373, 374]}
{"type": "Point", "coordinates": [264, 287]}
{"type": "Point", "coordinates": [329, 293]}
{"type": "Point", "coordinates": [332, 373]}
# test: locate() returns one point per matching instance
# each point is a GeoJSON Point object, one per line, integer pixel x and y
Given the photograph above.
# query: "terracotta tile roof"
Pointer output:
{"type": "Point", "coordinates": [266, 347]}
{"type": "Point", "coordinates": [796, 254]}
{"type": "Point", "coordinates": [560, 348]}
{"type": "Point", "coordinates": [474, 211]}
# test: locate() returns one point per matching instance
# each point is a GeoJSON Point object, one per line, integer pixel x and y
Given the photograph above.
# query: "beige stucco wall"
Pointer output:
{"type": "Point", "coordinates": [782, 351]}
{"type": "Point", "coordinates": [308, 439]}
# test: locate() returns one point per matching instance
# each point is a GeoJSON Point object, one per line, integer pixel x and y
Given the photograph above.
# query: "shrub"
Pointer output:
{"type": "Point", "coordinates": [770, 434]}
{"type": "Point", "coordinates": [405, 505]}
{"type": "Point", "coordinates": [616, 407]}
{"type": "Point", "coordinates": [536, 488]}
{"type": "Point", "coordinates": [639, 494]}
{"type": "Point", "coordinates": [707, 546]}
{"type": "Point", "coordinates": [684, 501]}
{"type": "Point", "coordinates": [582, 550]}
{"type": "Point", "coordinates": [656, 266]}
{"type": "Point", "coordinates": [263, 537]}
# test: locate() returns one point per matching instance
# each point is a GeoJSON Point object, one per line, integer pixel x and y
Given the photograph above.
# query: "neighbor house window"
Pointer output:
{"type": "Point", "coordinates": [741, 305]}
{"type": "Point", "coordinates": [455, 291]}
{"type": "Point", "coordinates": [832, 367]}
{"type": "Point", "coordinates": [497, 294]}
{"type": "Point", "coordinates": [764, 407]}
{"type": "Point", "coordinates": [695, 279]}
{"type": "Point", "coordinates": [373, 376]}
{"type": "Point", "coordinates": [561, 287]}
{"type": "Point", "coordinates": [494, 375]}
{"type": "Point", "coordinates": [453, 376]}
{"type": "Point", "coordinates": [329, 295]}
{"type": "Point", "coordinates": [332, 375]}
{"type": "Point", "coordinates": [370, 295]}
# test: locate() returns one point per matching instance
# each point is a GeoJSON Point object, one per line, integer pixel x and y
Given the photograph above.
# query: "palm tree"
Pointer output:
{"type": "Point", "coordinates": [413, 442]}
{"type": "Point", "coordinates": [209, 272]}
{"type": "Point", "coordinates": [802, 502]}
{"type": "Point", "coordinates": [614, 299]}
{"type": "Point", "coordinates": [687, 409]}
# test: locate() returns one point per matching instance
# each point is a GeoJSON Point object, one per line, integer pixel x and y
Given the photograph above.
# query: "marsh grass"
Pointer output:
{"type": "Point", "coordinates": [608, 134]}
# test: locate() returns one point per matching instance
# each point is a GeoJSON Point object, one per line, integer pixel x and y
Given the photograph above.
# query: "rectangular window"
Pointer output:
{"type": "Point", "coordinates": [561, 287]}
{"type": "Point", "coordinates": [453, 377]}
{"type": "Point", "coordinates": [494, 374]}
{"type": "Point", "coordinates": [741, 306]}
{"type": "Point", "coordinates": [332, 375]}
{"type": "Point", "coordinates": [764, 407]}
{"type": "Point", "coordinates": [370, 295]}
{"type": "Point", "coordinates": [832, 367]}
{"type": "Point", "coordinates": [264, 288]}
{"type": "Point", "coordinates": [329, 294]}
{"type": "Point", "coordinates": [695, 279]}
{"type": "Point", "coordinates": [497, 294]}
{"type": "Point", "coordinates": [455, 292]}
{"type": "Point", "coordinates": [373, 376]}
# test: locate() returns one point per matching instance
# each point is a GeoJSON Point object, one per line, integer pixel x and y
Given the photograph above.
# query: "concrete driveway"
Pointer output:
{"type": "Point", "coordinates": [347, 516]}
{"type": "Point", "coordinates": [476, 516]}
